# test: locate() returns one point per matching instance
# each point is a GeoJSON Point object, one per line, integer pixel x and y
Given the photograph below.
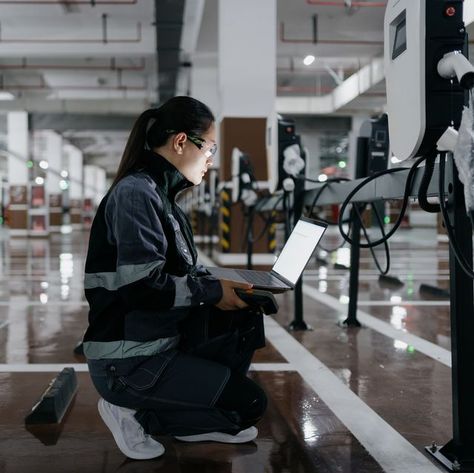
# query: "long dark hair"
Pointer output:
{"type": "Point", "coordinates": [152, 129]}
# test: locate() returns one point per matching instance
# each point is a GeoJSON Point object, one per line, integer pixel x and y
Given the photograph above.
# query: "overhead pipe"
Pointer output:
{"type": "Point", "coordinates": [329, 3]}
{"type": "Point", "coordinates": [112, 67]}
{"type": "Point", "coordinates": [311, 71]}
{"type": "Point", "coordinates": [283, 39]}
{"type": "Point", "coordinates": [313, 90]}
{"type": "Point", "coordinates": [104, 39]}
{"type": "Point", "coordinates": [42, 85]}
{"type": "Point", "coordinates": [70, 87]}
{"type": "Point", "coordinates": [92, 3]}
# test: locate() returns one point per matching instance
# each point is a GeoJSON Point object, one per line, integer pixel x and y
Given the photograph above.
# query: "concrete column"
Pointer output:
{"type": "Point", "coordinates": [247, 57]}
{"type": "Point", "coordinates": [18, 146]}
{"type": "Point", "coordinates": [95, 183]}
{"type": "Point", "coordinates": [48, 147]}
{"type": "Point", "coordinates": [247, 32]}
{"type": "Point", "coordinates": [73, 160]}
{"type": "Point", "coordinates": [204, 84]}
{"type": "Point", "coordinates": [101, 184]}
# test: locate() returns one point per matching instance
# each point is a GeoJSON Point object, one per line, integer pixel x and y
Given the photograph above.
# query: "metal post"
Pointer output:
{"type": "Point", "coordinates": [351, 320]}
{"type": "Point", "coordinates": [458, 453]}
{"type": "Point", "coordinates": [298, 322]}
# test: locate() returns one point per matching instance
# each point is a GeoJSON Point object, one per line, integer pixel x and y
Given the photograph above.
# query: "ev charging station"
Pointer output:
{"type": "Point", "coordinates": [421, 104]}
{"type": "Point", "coordinates": [427, 75]}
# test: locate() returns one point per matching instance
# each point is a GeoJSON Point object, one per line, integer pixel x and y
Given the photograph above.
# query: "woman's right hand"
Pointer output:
{"type": "Point", "coordinates": [230, 300]}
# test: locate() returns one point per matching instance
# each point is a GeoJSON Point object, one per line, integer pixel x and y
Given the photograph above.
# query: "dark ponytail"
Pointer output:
{"type": "Point", "coordinates": [152, 129]}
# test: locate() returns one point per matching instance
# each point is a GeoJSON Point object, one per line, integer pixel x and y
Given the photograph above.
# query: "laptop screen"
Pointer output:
{"type": "Point", "coordinates": [298, 249]}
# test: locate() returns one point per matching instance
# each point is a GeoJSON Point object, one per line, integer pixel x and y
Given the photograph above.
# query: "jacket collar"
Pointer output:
{"type": "Point", "coordinates": [169, 179]}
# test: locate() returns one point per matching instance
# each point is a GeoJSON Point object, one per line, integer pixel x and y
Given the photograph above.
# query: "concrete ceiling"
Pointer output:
{"type": "Point", "coordinates": [99, 57]}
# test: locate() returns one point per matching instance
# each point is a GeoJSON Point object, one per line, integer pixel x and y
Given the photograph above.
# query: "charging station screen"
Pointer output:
{"type": "Point", "coordinates": [399, 26]}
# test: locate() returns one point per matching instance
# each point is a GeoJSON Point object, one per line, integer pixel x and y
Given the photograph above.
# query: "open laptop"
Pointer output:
{"type": "Point", "coordinates": [289, 266]}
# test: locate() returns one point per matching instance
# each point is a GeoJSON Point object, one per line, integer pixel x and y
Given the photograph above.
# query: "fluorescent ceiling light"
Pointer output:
{"type": "Point", "coordinates": [6, 96]}
{"type": "Point", "coordinates": [308, 60]}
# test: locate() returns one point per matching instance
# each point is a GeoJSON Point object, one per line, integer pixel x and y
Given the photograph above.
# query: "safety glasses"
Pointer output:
{"type": "Point", "coordinates": [200, 143]}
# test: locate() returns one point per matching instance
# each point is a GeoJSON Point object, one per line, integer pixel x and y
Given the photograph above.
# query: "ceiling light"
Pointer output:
{"type": "Point", "coordinates": [308, 60]}
{"type": "Point", "coordinates": [6, 96]}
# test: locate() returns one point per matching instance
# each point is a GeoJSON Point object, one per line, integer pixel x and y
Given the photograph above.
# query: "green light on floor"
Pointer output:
{"type": "Point", "coordinates": [1, 220]}
{"type": "Point", "coordinates": [29, 164]}
{"type": "Point", "coordinates": [410, 291]}
{"type": "Point", "coordinates": [410, 349]}
{"type": "Point", "coordinates": [386, 220]}
{"type": "Point", "coordinates": [342, 164]}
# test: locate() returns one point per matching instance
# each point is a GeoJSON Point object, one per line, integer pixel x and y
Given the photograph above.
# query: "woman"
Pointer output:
{"type": "Point", "coordinates": [168, 346]}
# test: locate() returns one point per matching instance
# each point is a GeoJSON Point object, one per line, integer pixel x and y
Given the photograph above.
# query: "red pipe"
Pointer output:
{"type": "Point", "coordinates": [56, 40]}
{"type": "Point", "coordinates": [43, 86]}
{"type": "Point", "coordinates": [311, 90]}
{"type": "Point", "coordinates": [328, 3]}
{"type": "Point", "coordinates": [112, 67]}
{"type": "Point", "coordinates": [325, 41]}
{"type": "Point", "coordinates": [70, 2]}
{"type": "Point", "coordinates": [69, 87]}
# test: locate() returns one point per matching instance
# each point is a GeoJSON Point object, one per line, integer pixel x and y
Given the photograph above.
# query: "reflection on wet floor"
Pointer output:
{"type": "Point", "coordinates": [43, 315]}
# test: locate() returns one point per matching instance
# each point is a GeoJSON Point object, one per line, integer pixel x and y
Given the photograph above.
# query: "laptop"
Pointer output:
{"type": "Point", "coordinates": [289, 266]}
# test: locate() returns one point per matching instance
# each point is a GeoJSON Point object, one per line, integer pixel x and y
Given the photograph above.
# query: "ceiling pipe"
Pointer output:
{"type": "Point", "coordinates": [69, 87]}
{"type": "Point", "coordinates": [329, 3]}
{"type": "Point", "coordinates": [43, 85]}
{"type": "Point", "coordinates": [313, 90]}
{"type": "Point", "coordinates": [138, 39]}
{"type": "Point", "coordinates": [92, 3]}
{"type": "Point", "coordinates": [112, 67]}
{"type": "Point", "coordinates": [284, 39]}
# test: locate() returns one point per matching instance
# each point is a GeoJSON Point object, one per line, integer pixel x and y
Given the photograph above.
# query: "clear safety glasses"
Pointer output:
{"type": "Point", "coordinates": [209, 150]}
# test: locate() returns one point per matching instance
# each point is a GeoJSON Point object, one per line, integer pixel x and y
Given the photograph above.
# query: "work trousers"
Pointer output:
{"type": "Point", "coordinates": [199, 386]}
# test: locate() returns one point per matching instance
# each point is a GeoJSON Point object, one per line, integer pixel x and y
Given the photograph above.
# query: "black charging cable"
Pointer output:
{"type": "Point", "coordinates": [425, 182]}
{"type": "Point", "coordinates": [406, 195]}
{"type": "Point", "coordinates": [463, 263]}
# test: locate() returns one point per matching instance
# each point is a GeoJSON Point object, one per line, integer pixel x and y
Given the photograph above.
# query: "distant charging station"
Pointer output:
{"type": "Point", "coordinates": [421, 103]}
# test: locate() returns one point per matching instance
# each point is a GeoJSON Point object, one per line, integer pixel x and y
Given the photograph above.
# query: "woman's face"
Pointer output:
{"type": "Point", "coordinates": [196, 155]}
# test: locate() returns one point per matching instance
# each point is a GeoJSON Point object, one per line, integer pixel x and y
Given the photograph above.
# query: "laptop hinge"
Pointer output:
{"type": "Point", "coordinates": [282, 279]}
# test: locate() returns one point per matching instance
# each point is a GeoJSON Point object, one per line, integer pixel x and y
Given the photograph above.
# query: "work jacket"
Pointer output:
{"type": "Point", "coordinates": [141, 275]}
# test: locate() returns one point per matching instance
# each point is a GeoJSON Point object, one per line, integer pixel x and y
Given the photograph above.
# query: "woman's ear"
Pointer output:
{"type": "Point", "coordinates": [178, 143]}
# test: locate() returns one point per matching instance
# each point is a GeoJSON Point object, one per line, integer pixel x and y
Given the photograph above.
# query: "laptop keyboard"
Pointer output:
{"type": "Point", "coordinates": [259, 277]}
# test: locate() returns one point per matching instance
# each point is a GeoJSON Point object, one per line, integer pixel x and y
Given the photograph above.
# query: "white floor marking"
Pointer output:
{"type": "Point", "coordinates": [391, 450]}
{"type": "Point", "coordinates": [16, 303]}
{"type": "Point", "coordinates": [405, 302]}
{"type": "Point", "coordinates": [82, 367]}
{"type": "Point", "coordinates": [423, 346]}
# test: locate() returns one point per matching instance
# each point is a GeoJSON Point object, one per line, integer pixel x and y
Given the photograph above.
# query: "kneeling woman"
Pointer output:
{"type": "Point", "coordinates": [168, 346]}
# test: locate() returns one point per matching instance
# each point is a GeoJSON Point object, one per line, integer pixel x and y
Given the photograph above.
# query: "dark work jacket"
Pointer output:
{"type": "Point", "coordinates": [141, 276]}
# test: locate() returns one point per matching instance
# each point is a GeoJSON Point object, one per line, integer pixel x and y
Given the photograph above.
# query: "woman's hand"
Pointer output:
{"type": "Point", "coordinates": [230, 300]}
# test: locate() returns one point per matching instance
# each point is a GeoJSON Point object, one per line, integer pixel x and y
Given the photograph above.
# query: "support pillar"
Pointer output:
{"type": "Point", "coordinates": [247, 92]}
{"type": "Point", "coordinates": [74, 165]}
{"type": "Point", "coordinates": [18, 146]}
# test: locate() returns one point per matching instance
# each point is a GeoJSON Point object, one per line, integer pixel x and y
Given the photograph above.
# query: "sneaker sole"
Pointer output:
{"type": "Point", "coordinates": [219, 437]}
{"type": "Point", "coordinates": [113, 426]}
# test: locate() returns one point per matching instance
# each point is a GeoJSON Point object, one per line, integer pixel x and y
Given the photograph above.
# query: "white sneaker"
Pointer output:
{"type": "Point", "coordinates": [128, 433]}
{"type": "Point", "coordinates": [243, 436]}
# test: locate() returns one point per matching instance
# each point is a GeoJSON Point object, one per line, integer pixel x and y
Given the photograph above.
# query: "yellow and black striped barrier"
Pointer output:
{"type": "Point", "coordinates": [272, 234]}
{"type": "Point", "coordinates": [225, 221]}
